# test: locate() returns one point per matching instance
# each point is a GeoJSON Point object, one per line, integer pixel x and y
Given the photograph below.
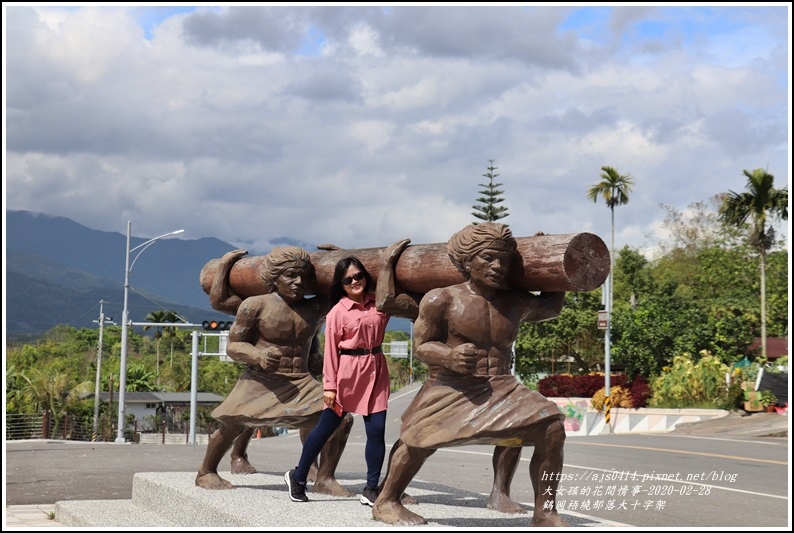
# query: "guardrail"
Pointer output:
{"type": "Point", "coordinates": [21, 426]}
{"type": "Point", "coordinates": [44, 426]}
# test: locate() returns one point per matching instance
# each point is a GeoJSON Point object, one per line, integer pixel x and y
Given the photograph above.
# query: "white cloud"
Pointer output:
{"type": "Point", "coordinates": [365, 41]}
{"type": "Point", "coordinates": [363, 125]}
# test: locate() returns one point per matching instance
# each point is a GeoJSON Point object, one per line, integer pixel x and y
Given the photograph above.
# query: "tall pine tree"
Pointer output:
{"type": "Point", "coordinates": [488, 209]}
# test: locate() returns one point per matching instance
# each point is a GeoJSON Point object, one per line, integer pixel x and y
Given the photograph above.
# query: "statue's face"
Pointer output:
{"type": "Point", "coordinates": [291, 284]}
{"type": "Point", "coordinates": [489, 267]}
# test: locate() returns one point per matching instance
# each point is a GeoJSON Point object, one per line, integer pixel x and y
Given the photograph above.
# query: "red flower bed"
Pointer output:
{"type": "Point", "coordinates": [567, 386]}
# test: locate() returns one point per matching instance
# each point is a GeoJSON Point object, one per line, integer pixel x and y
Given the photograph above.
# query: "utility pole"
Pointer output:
{"type": "Point", "coordinates": [606, 298]}
{"type": "Point", "coordinates": [102, 320]}
{"type": "Point", "coordinates": [98, 368]}
{"type": "Point", "coordinates": [110, 388]}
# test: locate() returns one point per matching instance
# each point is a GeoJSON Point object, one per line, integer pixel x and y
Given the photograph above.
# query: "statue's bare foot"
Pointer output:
{"type": "Point", "coordinates": [499, 501]}
{"type": "Point", "coordinates": [311, 477]}
{"type": "Point", "coordinates": [212, 481]}
{"type": "Point", "coordinates": [548, 520]}
{"type": "Point", "coordinates": [241, 465]}
{"type": "Point", "coordinates": [392, 512]}
{"type": "Point", "coordinates": [407, 499]}
{"type": "Point", "coordinates": [331, 487]}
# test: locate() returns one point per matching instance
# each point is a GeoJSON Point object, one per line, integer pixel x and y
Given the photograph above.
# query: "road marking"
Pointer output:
{"type": "Point", "coordinates": [567, 443]}
{"type": "Point", "coordinates": [765, 442]}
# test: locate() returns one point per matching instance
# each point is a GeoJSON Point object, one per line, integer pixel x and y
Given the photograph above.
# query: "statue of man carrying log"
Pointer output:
{"type": "Point", "coordinates": [464, 333]}
{"type": "Point", "coordinates": [272, 335]}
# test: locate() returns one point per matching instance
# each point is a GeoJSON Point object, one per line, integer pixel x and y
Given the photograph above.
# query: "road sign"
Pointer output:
{"type": "Point", "coordinates": [397, 349]}
{"type": "Point", "coordinates": [603, 319]}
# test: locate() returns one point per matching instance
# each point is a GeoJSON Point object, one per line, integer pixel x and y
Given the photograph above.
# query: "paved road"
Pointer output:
{"type": "Point", "coordinates": [722, 476]}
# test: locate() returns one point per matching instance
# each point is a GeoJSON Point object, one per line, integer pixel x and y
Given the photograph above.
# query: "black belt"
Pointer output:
{"type": "Point", "coordinates": [360, 351]}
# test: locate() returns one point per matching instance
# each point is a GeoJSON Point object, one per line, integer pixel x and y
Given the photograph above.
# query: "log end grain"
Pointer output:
{"type": "Point", "coordinates": [587, 261]}
{"type": "Point", "coordinates": [560, 262]}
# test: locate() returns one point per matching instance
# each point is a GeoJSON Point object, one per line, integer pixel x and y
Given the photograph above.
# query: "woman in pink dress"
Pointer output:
{"type": "Point", "coordinates": [355, 372]}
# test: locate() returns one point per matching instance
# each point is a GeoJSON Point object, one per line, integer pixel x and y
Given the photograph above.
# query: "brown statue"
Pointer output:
{"type": "Point", "coordinates": [465, 333]}
{"type": "Point", "coordinates": [273, 335]}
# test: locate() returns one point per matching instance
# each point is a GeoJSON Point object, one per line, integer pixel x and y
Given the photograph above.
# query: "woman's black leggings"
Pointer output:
{"type": "Point", "coordinates": [374, 451]}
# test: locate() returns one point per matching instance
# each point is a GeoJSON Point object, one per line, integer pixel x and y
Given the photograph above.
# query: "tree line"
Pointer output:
{"type": "Point", "coordinates": [719, 281]}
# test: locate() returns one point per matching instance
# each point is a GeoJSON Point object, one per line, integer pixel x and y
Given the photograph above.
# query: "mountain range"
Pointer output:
{"type": "Point", "coordinates": [58, 271]}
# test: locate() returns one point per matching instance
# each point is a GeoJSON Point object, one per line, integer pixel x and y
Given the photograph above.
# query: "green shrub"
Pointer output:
{"type": "Point", "coordinates": [768, 398]}
{"type": "Point", "coordinates": [688, 384]}
{"type": "Point", "coordinates": [748, 372]}
{"type": "Point", "coordinates": [531, 381]}
{"type": "Point", "coordinates": [734, 395]}
{"type": "Point", "coordinates": [780, 365]}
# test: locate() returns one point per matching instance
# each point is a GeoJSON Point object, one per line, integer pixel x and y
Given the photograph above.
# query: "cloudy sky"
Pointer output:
{"type": "Point", "coordinates": [363, 125]}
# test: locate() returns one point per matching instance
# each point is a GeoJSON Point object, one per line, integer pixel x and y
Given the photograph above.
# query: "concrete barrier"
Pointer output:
{"type": "Point", "coordinates": [583, 420]}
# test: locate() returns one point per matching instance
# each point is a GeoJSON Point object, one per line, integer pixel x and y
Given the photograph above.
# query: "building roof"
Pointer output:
{"type": "Point", "coordinates": [775, 347]}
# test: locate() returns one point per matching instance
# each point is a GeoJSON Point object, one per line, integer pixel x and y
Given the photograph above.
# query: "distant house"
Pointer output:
{"type": "Point", "coordinates": [146, 405]}
{"type": "Point", "coordinates": [776, 347]}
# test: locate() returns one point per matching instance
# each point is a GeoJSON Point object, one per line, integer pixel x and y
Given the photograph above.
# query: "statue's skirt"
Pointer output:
{"type": "Point", "coordinates": [454, 410]}
{"type": "Point", "coordinates": [271, 399]}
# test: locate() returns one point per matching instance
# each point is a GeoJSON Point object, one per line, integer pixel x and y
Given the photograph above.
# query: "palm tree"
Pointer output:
{"type": "Point", "coordinates": [614, 188]}
{"type": "Point", "coordinates": [47, 390]}
{"type": "Point", "coordinates": [139, 379]}
{"type": "Point", "coordinates": [170, 331]}
{"type": "Point", "coordinates": [54, 391]}
{"type": "Point", "coordinates": [761, 201]}
{"type": "Point", "coordinates": [157, 317]}
{"type": "Point", "coordinates": [18, 399]}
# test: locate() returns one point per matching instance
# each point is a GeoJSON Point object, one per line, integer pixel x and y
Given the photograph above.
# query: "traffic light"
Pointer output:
{"type": "Point", "coordinates": [216, 325]}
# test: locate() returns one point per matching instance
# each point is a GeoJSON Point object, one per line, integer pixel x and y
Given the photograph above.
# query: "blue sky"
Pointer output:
{"type": "Point", "coordinates": [150, 17]}
{"type": "Point", "coordinates": [362, 125]}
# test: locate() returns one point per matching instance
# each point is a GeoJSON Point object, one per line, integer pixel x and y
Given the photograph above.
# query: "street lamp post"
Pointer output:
{"type": "Point", "coordinates": [125, 320]}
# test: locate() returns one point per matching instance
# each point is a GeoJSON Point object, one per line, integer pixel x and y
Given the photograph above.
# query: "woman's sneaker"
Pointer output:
{"type": "Point", "coordinates": [297, 492]}
{"type": "Point", "coordinates": [369, 496]}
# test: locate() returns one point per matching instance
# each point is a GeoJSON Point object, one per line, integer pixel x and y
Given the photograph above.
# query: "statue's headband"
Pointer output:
{"type": "Point", "coordinates": [503, 245]}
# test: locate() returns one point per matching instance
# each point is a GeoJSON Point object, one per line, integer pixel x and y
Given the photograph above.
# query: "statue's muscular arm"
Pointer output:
{"type": "Point", "coordinates": [244, 336]}
{"type": "Point", "coordinates": [544, 306]}
{"type": "Point", "coordinates": [222, 297]}
{"type": "Point", "coordinates": [387, 300]}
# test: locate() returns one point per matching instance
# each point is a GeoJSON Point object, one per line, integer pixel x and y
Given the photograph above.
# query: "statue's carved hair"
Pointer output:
{"type": "Point", "coordinates": [474, 238]}
{"type": "Point", "coordinates": [282, 258]}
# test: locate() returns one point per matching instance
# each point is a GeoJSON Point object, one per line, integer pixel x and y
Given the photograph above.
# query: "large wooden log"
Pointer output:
{"type": "Point", "coordinates": [562, 262]}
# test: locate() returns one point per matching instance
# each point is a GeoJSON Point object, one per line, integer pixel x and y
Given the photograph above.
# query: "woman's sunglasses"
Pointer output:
{"type": "Point", "coordinates": [358, 276]}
